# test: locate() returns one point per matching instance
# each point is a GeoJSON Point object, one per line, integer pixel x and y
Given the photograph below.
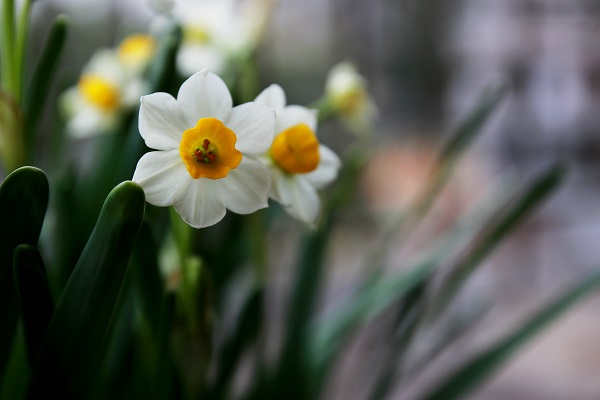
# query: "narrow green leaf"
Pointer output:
{"type": "Point", "coordinates": [35, 298]}
{"type": "Point", "coordinates": [37, 90]}
{"type": "Point", "coordinates": [68, 359]}
{"type": "Point", "coordinates": [495, 232]}
{"type": "Point", "coordinates": [22, 31]}
{"type": "Point", "coordinates": [7, 35]}
{"type": "Point", "coordinates": [23, 201]}
{"type": "Point", "coordinates": [146, 276]}
{"type": "Point", "coordinates": [481, 367]}
{"type": "Point", "coordinates": [460, 140]}
{"type": "Point", "coordinates": [377, 294]}
{"type": "Point", "coordinates": [245, 331]}
{"type": "Point", "coordinates": [291, 369]}
{"type": "Point", "coordinates": [468, 128]}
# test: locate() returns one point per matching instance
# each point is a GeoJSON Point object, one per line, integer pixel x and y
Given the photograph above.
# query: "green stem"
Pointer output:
{"type": "Point", "coordinates": [257, 232]}
{"type": "Point", "coordinates": [8, 33]}
{"type": "Point", "coordinates": [22, 31]}
{"type": "Point", "coordinates": [182, 236]}
{"type": "Point", "coordinates": [324, 107]}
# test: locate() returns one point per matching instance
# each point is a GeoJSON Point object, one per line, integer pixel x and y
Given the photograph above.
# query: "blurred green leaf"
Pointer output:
{"type": "Point", "coordinates": [245, 331]}
{"type": "Point", "coordinates": [146, 277]}
{"type": "Point", "coordinates": [459, 141]}
{"type": "Point", "coordinates": [37, 91]}
{"type": "Point", "coordinates": [375, 295]}
{"type": "Point", "coordinates": [493, 234]}
{"type": "Point", "coordinates": [69, 356]}
{"type": "Point", "coordinates": [23, 201]}
{"type": "Point", "coordinates": [481, 367]}
{"type": "Point", "coordinates": [37, 305]}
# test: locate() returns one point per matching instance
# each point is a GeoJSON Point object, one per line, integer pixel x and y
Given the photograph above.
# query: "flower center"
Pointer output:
{"type": "Point", "coordinates": [208, 149]}
{"type": "Point", "coordinates": [196, 34]}
{"type": "Point", "coordinates": [352, 101]}
{"type": "Point", "coordinates": [296, 150]}
{"type": "Point", "coordinates": [100, 93]}
{"type": "Point", "coordinates": [136, 49]}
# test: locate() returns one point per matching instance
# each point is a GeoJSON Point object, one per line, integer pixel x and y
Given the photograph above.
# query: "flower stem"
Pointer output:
{"type": "Point", "coordinates": [7, 46]}
{"type": "Point", "coordinates": [22, 31]}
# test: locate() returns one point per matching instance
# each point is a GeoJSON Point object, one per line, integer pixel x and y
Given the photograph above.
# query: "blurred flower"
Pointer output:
{"type": "Point", "coordinates": [105, 90]}
{"type": "Point", "coordinates": [207, 159]}
{"type": "Point", "coordinates": [346, 92]}
{"type": "Point", "coordinates": [135, 52]}
{"type": "Point", "coordinates": [299, 163]}
{"type": "Point", "coordinates": [215, 32]}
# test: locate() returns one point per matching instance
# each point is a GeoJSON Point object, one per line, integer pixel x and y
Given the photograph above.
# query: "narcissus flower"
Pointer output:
{"type": "Point", "coordinates": [299, 164]}
{"type": "Point", "coordinates": [214, 32]}
{"type": "Point", "coordinates": [346, 91]}
{"type": "Point", "coordinates": [208, 151]}
{"type": "Point", "coordinates": [106, 89]}
{"type": "Point", "coordinates": [136, 51]}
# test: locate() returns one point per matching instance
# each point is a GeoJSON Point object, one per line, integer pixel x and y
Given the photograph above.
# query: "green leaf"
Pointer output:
{"type": "Point", "coordinates": [495, 232]}
{"type": "Point", "coordinates": [23, 201]}
{"type": "Point", "coordinates": [460, 140]}
{"type": "Point", "coordinates": [146, 277]}
{"type": "Point", "coordinates": [37, 90]}
{"type": "Point", "coordinates": [481, 367]}
{"type": "Point", "coordinates": [35, 298]}
{"type": "Point", "coordinates": [246, 330]}
{"type": "Point", "coordinates": [69, 357]}
{"type": "Point", "coordinates": [377, 294]}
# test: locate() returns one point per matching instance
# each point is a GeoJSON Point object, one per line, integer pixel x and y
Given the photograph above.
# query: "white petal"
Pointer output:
{"type": "Point", "coordinates": [161, 174]}
{"type": "Point", "coordinates": [273, 97]}
{"type": "Point", "coordinates": [200, 204]}
{"type": "Point", "coordinates": [327, 170]}
{"type": "Point", "coordinates": [254, 126]}
{"type": "Point", "coordinates": [192, 58]}
{"type": "Point", "coordinates": [246, 188]}
{"type": "Point", "coordinates": [161, 122]}
{"type": "Point", "coordinates": [294, 115]}
{"type": "Point", "coordinates": [297, 196]}
{"type": "Point", "coordinates": [204, 95]}
{"type": "Point", "coordinates": [89, 121]}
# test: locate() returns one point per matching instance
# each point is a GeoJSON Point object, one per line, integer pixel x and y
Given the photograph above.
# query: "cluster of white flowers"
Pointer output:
{"type": "Point", "coordinates": [213, 156]}
{"type": "Point", "coordinates": [110, 83]}
{"type": "Point", "coordinates": [214, 32]}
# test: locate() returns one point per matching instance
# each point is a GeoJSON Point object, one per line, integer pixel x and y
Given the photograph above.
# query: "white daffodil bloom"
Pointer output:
{"type": "Point", "coordinates": [346, 91]}
{"type": "Point", "coordinates": [299, 164]}
{"type": "Point", "coordinates": [135, 52]}
{"type": "Point", "coordinates": [208, 151]}
{"type": "Point", "coordinates": [214, 32]}
{"type": "Point", "coordinates": [105, 90]}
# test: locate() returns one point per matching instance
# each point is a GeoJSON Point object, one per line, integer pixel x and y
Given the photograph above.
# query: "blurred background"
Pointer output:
{"type": "Point", "coordinates": [426, 63]}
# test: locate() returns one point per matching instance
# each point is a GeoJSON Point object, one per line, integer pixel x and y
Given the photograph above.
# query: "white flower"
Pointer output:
{"type": "Point", "coordinates": [105, 90]}
{"type": "Point", "coordinates": [214, 32]}
{"type": "Point", "coordinates": [135, 52]}
{"type": "Point", "coordinates": [299, 163]}
{"type": "Point", "coordinates": [208, 151]}
{"type": "Point", "coordinates": [346, 91]}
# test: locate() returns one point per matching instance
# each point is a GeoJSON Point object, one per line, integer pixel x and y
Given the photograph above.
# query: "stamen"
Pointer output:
{"type": "Point", "coordinates": [205, 155]}
{"type": "Point", "coordinates": [208, 150]}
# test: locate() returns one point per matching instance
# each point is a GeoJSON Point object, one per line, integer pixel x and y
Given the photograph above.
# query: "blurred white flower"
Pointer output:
{"type": "Point", "coordinates": [299, 164]}
{"type": "Point", "coordinates": [208, 151]}
{"type": "Point", "coordinates": [346, 92]}
{"type": "Point", "coordinates": [105, 90]}
{"type": "Point", "coordinates": [136, 51]}
{"type": "Point", "coordinates": [215, 32]}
